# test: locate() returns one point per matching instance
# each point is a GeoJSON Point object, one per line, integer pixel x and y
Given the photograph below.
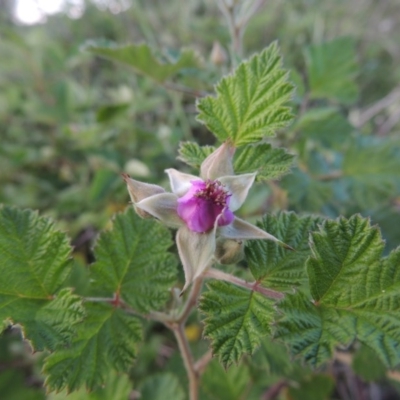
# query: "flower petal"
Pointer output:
{"type": "Point", "coordinates": [140, 190]}
{"type": "Point", "coordinates": [242, 230]}
{"type": "Point", "coordinates": [196, 251]}
{"type": "Point", "coordinates": [180, 182]}
{"type": "Point", "coordinates": [218, 163]}
{"type": "Point", "coordinates": [238, 186]}
{"type": "Point", "coordinates": [162, 206]}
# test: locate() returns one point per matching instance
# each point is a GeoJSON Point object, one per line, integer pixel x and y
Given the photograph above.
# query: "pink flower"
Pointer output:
{"type": "Point", "coordinates": [201, 208]}
{"type": "Point", "coordinates": [204, 204]}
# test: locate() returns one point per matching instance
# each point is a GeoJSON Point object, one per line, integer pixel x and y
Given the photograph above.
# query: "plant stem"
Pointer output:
{"type": "Point", "coordinates": [255, 286]}
{"type": "Point", "coordinates": [202, 362]}
{"type": "Point", "coordinates": [191, 301]}
{"type": "Point", "coordinates": [188, 361]}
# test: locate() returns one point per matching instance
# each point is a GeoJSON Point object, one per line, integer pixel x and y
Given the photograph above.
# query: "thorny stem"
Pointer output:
{"type": "Point", "coordinates": [255, 286]}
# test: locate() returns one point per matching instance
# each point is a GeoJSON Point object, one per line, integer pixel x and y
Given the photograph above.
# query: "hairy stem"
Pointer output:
{"type": "Point", "coordinates": [191, 301]}
{"type": "Point", "coordinates": [255, 286]}
{"type": "Point", "coordinates": [179, 332]}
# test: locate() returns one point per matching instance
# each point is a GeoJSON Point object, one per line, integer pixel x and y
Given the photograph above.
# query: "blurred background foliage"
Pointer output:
{"type": "Point", "coordinates": [71, 123]}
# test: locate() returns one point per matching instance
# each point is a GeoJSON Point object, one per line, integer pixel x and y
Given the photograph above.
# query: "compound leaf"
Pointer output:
{"type": "Point", "coordinates": [249, 103]}
{"type": "Point", "coordinates": [275, 266]}
{"type": "Point", "coordinates": [236, 320]}
{"type": "Point", "coordinates": [116, 387]}
{"type": "Point", "coordinates": [356, 294]}
{"type": "Point", "coordinates": [106, 340]}
{"type": "Point", "coordinates": [193, 154]}
{"type": "Point", "coordinates": [140, 57]}
{"type": "Point", "coordinates": [133, 262]}
{"type": "Point", "coordinates": [35, 261]}
{"type": "Point", "coordinates": [269, 162]}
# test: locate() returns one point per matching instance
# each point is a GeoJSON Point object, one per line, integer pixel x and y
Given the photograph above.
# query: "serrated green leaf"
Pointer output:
{"type": "Point", "coordinates": [105, 341]}
{"type": "Point", "coordinates": [160, 387]}
{"type": "Point", "coordinates": [57, 319]}
{"type": "Point", "coordinates": [34, 263]}
{"type": "Point", "coordinates": [133, 261]}
{"type": "Point", "coordinates": [269, 162]}
{"type": "Point", "coordinates": [275, 266]}
{"type": "Point", "coordinates": [140, 57]}
{"type": "Point", "coordinates": [249, 103]}
{"type": "Point", "coordinates": [193, 154]}
{"type": "Point", "coordinates": [220, 384]}
{"type": "Point", "coordinates": [312, 331]}
{"type": "Point", "coordinates": [116, 387]}
{"type": "Point", "coordinates": [356, 295]}
{"type": "Point", "coordinates": [236, 320]}
{"type": "Point", "coordinates": [332, 70]}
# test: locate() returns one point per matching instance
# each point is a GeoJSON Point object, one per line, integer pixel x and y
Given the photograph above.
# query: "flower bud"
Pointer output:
{"type": "Point", "coordinates": [229, 251]}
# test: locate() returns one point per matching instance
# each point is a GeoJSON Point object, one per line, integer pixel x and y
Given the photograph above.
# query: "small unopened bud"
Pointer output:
{"type": "Point", "coordinates": [218, 54]}
{"type": "Point", "coordinates": [139, 191]}
{"type": "Point", "coordinates": [229, 251]}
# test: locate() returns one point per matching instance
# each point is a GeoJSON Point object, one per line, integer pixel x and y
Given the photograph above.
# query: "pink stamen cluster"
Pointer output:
{"type": "Point", "coordinates": [203, 204]}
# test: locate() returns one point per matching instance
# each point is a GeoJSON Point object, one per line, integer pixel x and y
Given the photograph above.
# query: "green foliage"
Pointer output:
{"type": "Point", "coordinates": [371, 168]}
{"type": "Point", "coordinates": [160, 387]}
{"type": "Point", "coordinates": [332, 68]}
{"type": "Point", "coordinates": [314, 387]}
{"type": "Point", "coordinates": [193, 154]}
{"type": "Point", "coordinates": [236, 320]}
{"type": "Point", "coordinates": [140, 57]}
{"type": "Point", "coordinates": [34, 265]}
{"type": "Point", "coordinates": [355, 292]}
{"type": "Point", "coordinates": [105, 341]}
{"type": "Point", "coordinates": [220, 384]}
{"type": "Point", "coordinates": [367, 365]}
{"type": "Point", "coordinates": [275, 266]}
{"type": "Point", "coordinates": [325, 125]}
{"type": "Point", "coordinates": [116, 387]}
{"type": "Point", "coordinates": [133, 261]}
{"type": "Point", "coordinates": [269, 162]}
{"type": "Point", "coordinates": [250, 102]}
{"type": "Point", "coordinates": [17, 390]}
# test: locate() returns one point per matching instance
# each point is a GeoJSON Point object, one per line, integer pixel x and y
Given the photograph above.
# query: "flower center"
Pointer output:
{"type": "Point", "coordinates": [203, 204]}
{"type": "Point", "coordinates": [213, 191]}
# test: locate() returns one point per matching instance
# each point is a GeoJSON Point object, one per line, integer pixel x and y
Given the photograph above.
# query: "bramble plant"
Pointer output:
{"type": "Point", "coordinates": [279, 298]}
